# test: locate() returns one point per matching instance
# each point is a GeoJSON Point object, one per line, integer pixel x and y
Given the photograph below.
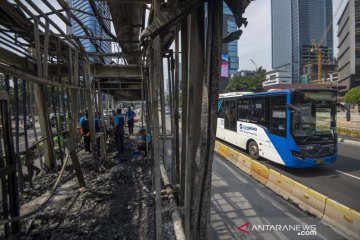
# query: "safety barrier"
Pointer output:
{"type": "Point", "coordinates": [223, 150]}
{"type": "Point", "coordinates": [244, 163]}
{"type": "Point", "coordinates": [308, 199]}
{"type": "Point", "coordinates": [279, 184]}
{"type": "Point", "coordinates": [344, 219]}
{"type": "Point", "coordinates": [232, 155]}
{"type": "Point", "coordinates": [259, 171]}
{"type": "Point", "coordinates": [216, 148]}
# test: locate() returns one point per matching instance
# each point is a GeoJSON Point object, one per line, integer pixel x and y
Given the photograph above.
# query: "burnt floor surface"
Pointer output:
{"type": "Point", "coordinates": [117, 203]}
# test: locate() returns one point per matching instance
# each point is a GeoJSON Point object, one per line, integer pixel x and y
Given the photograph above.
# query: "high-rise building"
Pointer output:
{"type": "Point", "coordinates": [349, 46]}
{"type": "Point", "coordinates": [277, 77]}
{"type": "Point", "coordinates": [230, 59]}
{"type": "Point", "coordinates": [83, 11]}
{"type": "Point", "coordinates": [296, 25]}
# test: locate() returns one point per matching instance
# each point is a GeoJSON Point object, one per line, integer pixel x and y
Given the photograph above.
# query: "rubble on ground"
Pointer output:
{"type": "Point", "coordinates": [116, 204]}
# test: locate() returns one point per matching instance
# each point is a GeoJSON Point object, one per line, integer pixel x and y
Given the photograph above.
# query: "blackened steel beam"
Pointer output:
{"type": "Point", "coordinates": [202, 186]}
{"type": "Point", "coordinates": [157, 63]}
{"type": "Point", "coordinates": [4, 187]}
{"type": "Point", "coordinates": [196, 79]}
{"type": "Point", "coordinates": [17, 131]}
{"type": "Point", "coordinates": [41, 104]}
{"type": "Point", "coordinates": [10, 161]}
{"type": "Point", "coordinates": [169, 18]}
{"type": "Point", "coordinates": [175, 70]}
{"type": "Point", "coordinates": [184, 124]}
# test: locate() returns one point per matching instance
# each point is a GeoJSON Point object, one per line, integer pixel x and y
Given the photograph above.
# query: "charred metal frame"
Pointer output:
{"type": "Point", "coordinates": [48, 57]}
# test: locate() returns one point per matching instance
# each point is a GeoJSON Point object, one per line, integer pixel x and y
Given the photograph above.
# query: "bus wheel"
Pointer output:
{"type": "Point", "coordinates": [253, 150]}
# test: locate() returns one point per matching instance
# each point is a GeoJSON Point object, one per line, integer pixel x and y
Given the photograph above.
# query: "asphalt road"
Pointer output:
{"type": "Point", "coordinates": [239, 199]}
{"type": "Point", "coordinates": [339, 181]}
{"type": "Point", "coordinates": [31, 139]}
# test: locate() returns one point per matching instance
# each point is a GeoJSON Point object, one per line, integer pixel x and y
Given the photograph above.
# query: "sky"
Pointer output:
{"type": "Point", "coordinates": [255, 41]}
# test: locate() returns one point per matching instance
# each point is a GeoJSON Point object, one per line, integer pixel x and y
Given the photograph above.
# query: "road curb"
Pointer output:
{"type": "Point", "coordinates": [340, 218]}
{"type": "Point", "coordinates": [345, 140]}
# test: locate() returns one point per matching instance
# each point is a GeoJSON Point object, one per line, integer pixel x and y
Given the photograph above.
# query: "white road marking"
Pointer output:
{"type": "Point", "coordinates": [348, 174]}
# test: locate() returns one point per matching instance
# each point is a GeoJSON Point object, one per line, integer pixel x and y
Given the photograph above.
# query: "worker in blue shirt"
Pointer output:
{"type": "Point", "coordinates": [85, 131]}
{"type": "Point", "coordinates": [119, 123]}
{"type": "Point", "coordinates": [130, 120]}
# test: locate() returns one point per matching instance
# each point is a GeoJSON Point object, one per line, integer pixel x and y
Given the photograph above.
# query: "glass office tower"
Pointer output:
{"type": "Point", "coordinates": [230, 59]}
{"type": "Point", "coordinates": [296, 24]}
{"type": "Point", "coordinates": [82, 10]}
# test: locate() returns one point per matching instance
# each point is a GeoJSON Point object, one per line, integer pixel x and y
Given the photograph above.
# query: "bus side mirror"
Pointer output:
{"type": "Point", "coordinates": [348, 116]}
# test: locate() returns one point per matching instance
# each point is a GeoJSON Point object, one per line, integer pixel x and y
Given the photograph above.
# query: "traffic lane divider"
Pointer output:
{"type": "Point", "coordinates": [259, 171]}
{"type": "Point", "coordinates": [217, 145]}
{"type": "Point", "coordinates": [279, 184]}
{"type": "Point", "coordinates": [244, 163]}
{"type": "Point", "coordinates": [223, 150]}
{"type": "Point", "coordinates": [308, 199]}
{"type": "Point", "coordinates": [343, 219]}
{"type": "Point", "coordinates": [232, 154]}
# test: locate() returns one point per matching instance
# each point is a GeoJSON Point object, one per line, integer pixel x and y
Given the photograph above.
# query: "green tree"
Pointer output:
{"type": "Point", "coordinates": [353, 96]}
{"type": "Point", "coordinates": [248, 83]}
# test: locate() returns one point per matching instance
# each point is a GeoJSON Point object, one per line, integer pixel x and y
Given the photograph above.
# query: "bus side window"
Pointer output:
{"type": "Point", "coordinates": [266, 114]}
{"type": "Point", "coordinates": [256, 109]}
{"type": "Point", "coordinates": [261, 111]}
{"type": "Point", "coordinates": [278, 115]}
{"type": "Point", "coordinates": [243, 110]}
{"type": "Point", "coordinates": [230, 114]}
{"type": "Point", "coordinates": [226, 110]}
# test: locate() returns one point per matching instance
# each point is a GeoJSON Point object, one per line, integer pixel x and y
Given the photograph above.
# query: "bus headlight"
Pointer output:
{"type": "Point", "coordinates": [309, 147]}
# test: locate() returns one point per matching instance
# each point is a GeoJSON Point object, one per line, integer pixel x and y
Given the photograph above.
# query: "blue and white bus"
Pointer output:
{"type": "Point", "coordinates": [295, 128]}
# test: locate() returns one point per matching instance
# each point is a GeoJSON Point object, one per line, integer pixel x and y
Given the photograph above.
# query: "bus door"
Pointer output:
{"type": "Point", "coordinates": [278, 126]}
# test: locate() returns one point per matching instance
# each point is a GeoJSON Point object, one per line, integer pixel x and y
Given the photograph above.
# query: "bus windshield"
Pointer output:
{"type": "Point", "coordinates": [314, 119]}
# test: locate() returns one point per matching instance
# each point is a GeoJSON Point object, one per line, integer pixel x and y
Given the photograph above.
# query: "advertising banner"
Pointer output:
{"type": "Point", "coordinates": [224, 65]}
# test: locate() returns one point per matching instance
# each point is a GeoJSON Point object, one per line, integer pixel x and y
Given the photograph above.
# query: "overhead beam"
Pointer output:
{"type": "Point", "coordinates": [120, 88]}
{"type": "Point", "coordinates": [13, 59]}
{"type": "Point", "coordinates": [21, 74]}
{"type": "Point", "coordinates": [122, 82]}
{"type": "Point", "coordinates": [114, 54]}
{"type": "Point", "coordinates": [114, 71]}
{"type": "Point", "coordinates": [7, 57]}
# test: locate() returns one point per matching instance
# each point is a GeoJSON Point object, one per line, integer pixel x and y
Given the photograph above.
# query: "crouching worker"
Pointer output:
{"type": "Point", "coordinates": [141, 144]}
{"type": "Point", "coordinates": [30, 164]}
{"type": "Point", "coordinates": [119, 122]}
